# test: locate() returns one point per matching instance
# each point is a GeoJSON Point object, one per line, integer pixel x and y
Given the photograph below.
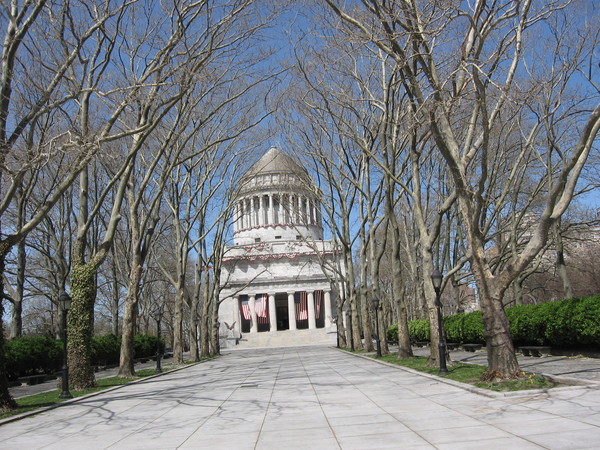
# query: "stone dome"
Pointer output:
{"type": "Point", "coordinates": [275, 169]}
{"type": "Point", "coordinates": [277, 202]}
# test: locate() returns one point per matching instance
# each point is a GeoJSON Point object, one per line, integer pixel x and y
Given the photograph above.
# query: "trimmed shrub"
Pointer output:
{"type": "Point", "coordinates": [31, 355]}
{"type": "Point", "coordinates": [419, 330]}
{"type": "Point", "coordinates": [573, 322]}
{"type": "Point", "coordinates": [106, 349]}
{"type": "Point", "coordinates": [392, 333]}
{"type": "Point", "coordinates": [145, 345]}
{"type": "Point", "coordinates": [472, 332]}
{"type": "Point", "coordinates": [453, 327]}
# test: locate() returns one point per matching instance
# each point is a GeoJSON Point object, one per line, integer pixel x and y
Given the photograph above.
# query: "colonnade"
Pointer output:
{"type": "Point", "coordinates": [312, 322]}
{"type": "Point", "coordinates": [273, 209]}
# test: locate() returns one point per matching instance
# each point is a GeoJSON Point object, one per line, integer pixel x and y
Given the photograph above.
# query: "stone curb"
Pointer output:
{"type": "Point", "coordinates": [576, 382]}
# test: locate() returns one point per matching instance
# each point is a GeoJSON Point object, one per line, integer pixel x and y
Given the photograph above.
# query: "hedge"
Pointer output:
{"type": "Point", "coordinates": [30, 355]}
{"type": "Point", "coordinates": [573, 322]}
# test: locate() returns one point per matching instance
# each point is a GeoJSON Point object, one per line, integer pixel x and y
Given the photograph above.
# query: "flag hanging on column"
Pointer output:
{"type": "Point", "coordinates": [261, 306]}
{"type": "Point", "coordinates": [246, 310]}
{"type": "Point", "coordinates": [318, 302]}
{"type": "Point", "coordinates": [301, 303]}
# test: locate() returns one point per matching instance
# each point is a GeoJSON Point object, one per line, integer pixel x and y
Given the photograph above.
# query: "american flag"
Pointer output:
{"type": "Point", "coordinates": [318, 302]}
{"type": "Point", "coordinates": [246, 310]}
{"type": "Point", "coordinates": [301, 303]}
{"type": "Point", "coordinates": [261, 307]}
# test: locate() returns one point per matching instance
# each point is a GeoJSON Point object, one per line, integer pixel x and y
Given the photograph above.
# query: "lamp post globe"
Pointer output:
{"type": "Point", "coordinates": [375, 302]}
{"type": "Point", "coordinates": [64, 302]}
{"type": "Point", "coordinates": [436, 280]}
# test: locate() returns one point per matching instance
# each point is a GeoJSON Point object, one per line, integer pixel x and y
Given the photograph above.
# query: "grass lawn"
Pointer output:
{"type": "Point", "coordinates": [471, 374]}
{"type": "Point", "coordinates": [45, 399]}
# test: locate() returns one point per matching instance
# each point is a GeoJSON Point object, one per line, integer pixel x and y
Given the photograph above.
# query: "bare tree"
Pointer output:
{"type": "Point", "coordinates": [482, 66]}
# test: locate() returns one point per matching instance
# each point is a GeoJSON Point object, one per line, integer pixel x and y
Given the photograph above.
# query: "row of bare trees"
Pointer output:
{"type": "Point", "coordinates": [440, 134]}
{"type": "Point", "coordinates": [122, 125]}
{"type": "Point", "coordinates": [447, 135]}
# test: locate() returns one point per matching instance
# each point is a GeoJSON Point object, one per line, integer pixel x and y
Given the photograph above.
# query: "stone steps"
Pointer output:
{"type": "Point", "coordinates": [288, 338]}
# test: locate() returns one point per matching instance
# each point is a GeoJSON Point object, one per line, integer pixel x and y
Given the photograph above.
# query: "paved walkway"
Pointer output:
{"type": "Point", "coordinates": [305, 398]}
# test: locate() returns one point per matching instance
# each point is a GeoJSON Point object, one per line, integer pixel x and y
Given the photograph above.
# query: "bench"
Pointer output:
{"type": "Point", "coordinates": [32, 379]}
{"type": "Point", "coordinates": [451, 345]}
{"type": "Point", "coordinates": [471, 347]}
{"type": "Point", "coordinates": [535, 350]}
{"type": "Point", "coordinates": [421, 344]}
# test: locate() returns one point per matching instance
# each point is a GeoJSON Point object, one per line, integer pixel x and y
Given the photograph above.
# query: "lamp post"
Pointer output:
{"type": "Point", "coordinates": [436, 280]}
{"type": "Point", "coordinates": [348, 311]}
{"type": "Point", "coordinates": [375, 302]}
{"type": "Point", "coordinates": [64, 302]}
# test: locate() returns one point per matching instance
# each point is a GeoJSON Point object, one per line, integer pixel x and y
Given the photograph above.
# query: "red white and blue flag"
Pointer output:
{"type": "Point", "coordinates": [246, 310]}
{"type": "Point", "coordinates": [301, 304]}
{"type": "Point", "coordinates": [318, 303]}
{"type": "Point", "coordinates": [261, 306]}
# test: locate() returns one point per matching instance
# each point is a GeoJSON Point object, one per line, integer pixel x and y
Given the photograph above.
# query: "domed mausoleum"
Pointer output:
{"type": "Point", "coordinates": [277, 275]}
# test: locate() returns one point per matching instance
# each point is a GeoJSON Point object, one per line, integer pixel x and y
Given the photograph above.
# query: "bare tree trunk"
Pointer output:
{"type": "Point", "coordinates": [178, 340]}
{"type": "Point", "coordinates": [127, 357]}
{"type": "Point", "coordinates": [561, 266]}
{"type": "Point", "coordinates": [194, 348]}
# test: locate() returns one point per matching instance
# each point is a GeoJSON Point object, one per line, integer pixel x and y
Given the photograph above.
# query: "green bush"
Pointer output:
{"type": "Point", "coordinates": [472, 325]}
{"type": "Point", "coordinates": [453, 327]}
{"type": "Point", "coordinates": [145, 345]}
{"type": "Point", "coordinates": [392, 333]}
{"type": "Point", "coordinates": [30, 355]}
{"type": "Point", "coordinates": [576, 322]}
{"type": "Point", "coordinates": [106, 349]}
{"type": "Point", "coordinates": [573, 322]}
{"type": "Point", "coordinates": [419, 330]}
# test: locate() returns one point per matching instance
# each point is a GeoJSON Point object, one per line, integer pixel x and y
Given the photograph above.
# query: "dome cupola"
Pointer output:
{"type": "Point", "coordinates": [277, 202]}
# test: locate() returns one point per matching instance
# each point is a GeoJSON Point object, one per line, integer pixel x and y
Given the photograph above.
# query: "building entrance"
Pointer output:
{"type": "Point", "coordinates": [281, 309]}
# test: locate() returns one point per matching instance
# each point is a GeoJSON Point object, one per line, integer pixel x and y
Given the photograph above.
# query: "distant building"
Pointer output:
{"type": "Point", "coordinates": [277, 276]}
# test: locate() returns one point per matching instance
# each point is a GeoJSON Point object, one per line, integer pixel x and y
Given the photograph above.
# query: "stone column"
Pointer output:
{"type": "Point", "coordinates": [299, 218]}
{"type": "Point", "coordinates": [272, 313]}
{"type": "Point", "coordinates": [327, 301]}
{"type": "Point", "coordinates": [254, 327]}
{"type": "Point", "coordinates": [291, 311]}
{"type": "Point", "coordinates": [251, 224]}
{"type": "Point", "coordinates": [261, 211]}
{"type": "Point", "coordinates": [280, 217]}
{"type": "Point", "coordinates": [312, 323]}
{"type": "Point", "coordinates": [271, 212]}
{"type": "Point", "coordinates": [291, 208]}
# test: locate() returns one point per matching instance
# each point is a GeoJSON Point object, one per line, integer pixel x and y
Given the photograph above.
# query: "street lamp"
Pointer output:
{"type": "Point", "coordinates": [348, 311]}
{"type": "Point", "coordinates": [375, 302]}
{"type": "Point", "coordinates": [436, 280]}
{"type": "Point", "coordinates": [64, 302]}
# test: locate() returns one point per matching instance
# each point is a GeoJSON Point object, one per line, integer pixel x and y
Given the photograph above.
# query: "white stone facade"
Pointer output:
{"type": "Point", "coordinates": [273, 277]}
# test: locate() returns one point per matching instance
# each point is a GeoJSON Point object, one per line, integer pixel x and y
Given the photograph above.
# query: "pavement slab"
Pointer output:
{"type": "Point", "coordinates": [311, 398]}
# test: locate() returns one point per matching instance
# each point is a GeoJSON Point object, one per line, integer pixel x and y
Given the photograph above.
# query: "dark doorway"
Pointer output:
{"type": "Point", "coordinates": [281, 308]}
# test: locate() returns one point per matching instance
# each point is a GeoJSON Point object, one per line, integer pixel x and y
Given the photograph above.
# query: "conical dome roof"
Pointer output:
{"type": "Point", "coordinates": [275, 170]}
{"type": "Point", "coordinates": [275, 161]}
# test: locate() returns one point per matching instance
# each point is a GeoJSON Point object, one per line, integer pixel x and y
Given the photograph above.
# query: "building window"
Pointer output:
{"type": "Point", "coordinates": [256, 240]}
{"type": "Point", "coordinates": [298, 237]}
{"type": "Point", "coordinates": [277, 237]}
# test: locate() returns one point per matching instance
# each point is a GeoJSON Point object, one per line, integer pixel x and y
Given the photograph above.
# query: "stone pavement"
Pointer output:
{"type": "Point", "coordinates": [305, 398]}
